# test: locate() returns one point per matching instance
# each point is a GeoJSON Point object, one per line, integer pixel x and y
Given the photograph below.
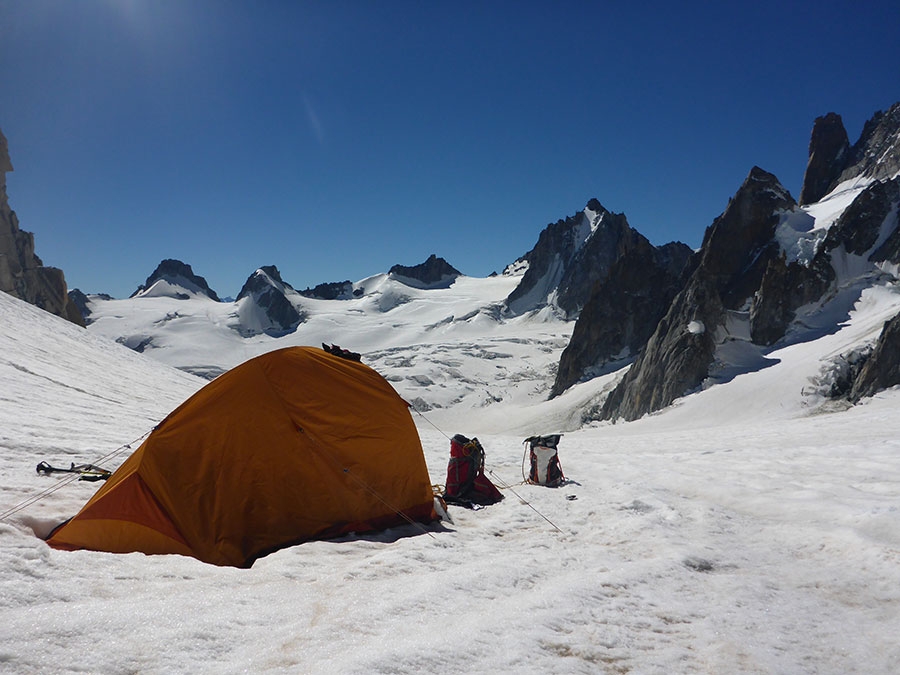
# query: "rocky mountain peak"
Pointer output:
{"type": "Point", "coordinates": [595, 206]}
{"type": "Point", "coordinates": [876, 154]}
{"type": "Point", "coordinates": [570, 256]}
{"type": "Point", "coordinates": [263, 279]}
{"type": "Point", "coordinates": [265, 305]}
{"type": "Point", "coordinates": [829, 149]}
{"type": "Point", "coordinates": [737, 246]}
{"type": "Point", "coordinates": [433, 273]}
{"type": "Point", "coordinates": [178, 280]}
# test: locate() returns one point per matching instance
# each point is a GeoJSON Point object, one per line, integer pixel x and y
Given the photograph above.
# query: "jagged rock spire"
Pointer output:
{"type": "Point", "coordinates": [829, 149]}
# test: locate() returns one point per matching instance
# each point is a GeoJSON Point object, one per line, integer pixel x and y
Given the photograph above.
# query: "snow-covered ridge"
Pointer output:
{"type": "Point", "coordinates": [802, 230]}
{"type": "Point", "coordinates": [179, 287]}
{"type": "Point", "coordinates": [384, 314]}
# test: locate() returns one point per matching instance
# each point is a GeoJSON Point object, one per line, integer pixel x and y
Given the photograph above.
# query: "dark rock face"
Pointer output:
{"type": "Point", "coordinates": [737, 250]}
{"type": "Point", "coordinates": [268, 290]}
{"type": "Point", "coordinates": [677, 356]}
{"type": "Point", "coordinates": [877, 152]}
{"type": "Point", "coordinates": [889, 251]}
{"type": "Point", "coordinates": [859, 226]}
{"type": "Point", "coordinates": [674, 257]}
{"type": "Point", "coordinates": [336, 290]}
{"type": "Point", "coordinates": [784, 289]}
{"type": "Point", "coordinates": [432, 273]}
{"type": "Point", "coordinates": [739, 244]}
{"type": "Point", "coordinates": [623, 310]}
{"type": "Point", "coordinates": [829, 150]}
{"type": "Point", "coordinates": [22, 274]}
{"type": "Point", "coordinates": [81, 302]}
{"type": "Point", "coordinates": [178, 274]}
{"type": "Point", "coordinates": [882, 368]}
{"type": "Point", "coordinates": [613, 239]}
{"type": "Point", "coordinates": [571, 256]}
{"type": "Point", "coordinates": [887, 201]}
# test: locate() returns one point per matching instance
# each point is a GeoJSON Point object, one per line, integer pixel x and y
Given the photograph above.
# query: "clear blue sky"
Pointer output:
{"type": "Point", "coordinates": [335, 139]}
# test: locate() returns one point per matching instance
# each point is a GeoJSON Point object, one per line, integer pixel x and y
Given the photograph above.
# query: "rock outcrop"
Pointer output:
{"type": "Point", "coordinates": [862, 224]}
{"type": "Point", "coordinates": [433, 273]}
{"type": "Point", "coordinates": [333, 290]}
{"type": "Point", "coordinates": [173, 278]}
{"type": "Point", "coordinates": [786, 287]}
{"type": "Point", "coordinates": [22, 274]}
{"type": "Point", "coordinates": [882, 368]}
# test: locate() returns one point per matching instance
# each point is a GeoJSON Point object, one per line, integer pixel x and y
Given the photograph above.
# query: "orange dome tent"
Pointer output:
{"type": "Point", "coordinates": [294, 445]}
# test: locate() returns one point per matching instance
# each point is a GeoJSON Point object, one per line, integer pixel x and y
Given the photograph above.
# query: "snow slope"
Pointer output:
{"type": "Point", "coordinates": [749, 528]}
{"type": "Point", "coordinates": [396, 326]}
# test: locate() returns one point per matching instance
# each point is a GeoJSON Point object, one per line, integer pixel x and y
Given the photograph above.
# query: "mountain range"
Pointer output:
{"type": "Point", "coordinates": [663, 321]}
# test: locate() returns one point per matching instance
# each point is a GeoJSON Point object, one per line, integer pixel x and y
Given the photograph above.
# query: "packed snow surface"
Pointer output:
{"type": "Point", "coordinates": [750, 528]}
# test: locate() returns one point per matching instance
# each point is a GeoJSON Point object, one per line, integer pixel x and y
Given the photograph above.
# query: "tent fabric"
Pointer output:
{"type": "Point", "coordinates": [294, 445]}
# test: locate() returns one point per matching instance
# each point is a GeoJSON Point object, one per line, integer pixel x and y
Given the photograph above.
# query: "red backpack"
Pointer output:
{"type": "Point", "coordinates": [466, 483]}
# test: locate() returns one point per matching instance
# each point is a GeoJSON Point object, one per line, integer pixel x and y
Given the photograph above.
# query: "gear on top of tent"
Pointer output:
{"type": "Point", "coordinates": [294, 445]}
